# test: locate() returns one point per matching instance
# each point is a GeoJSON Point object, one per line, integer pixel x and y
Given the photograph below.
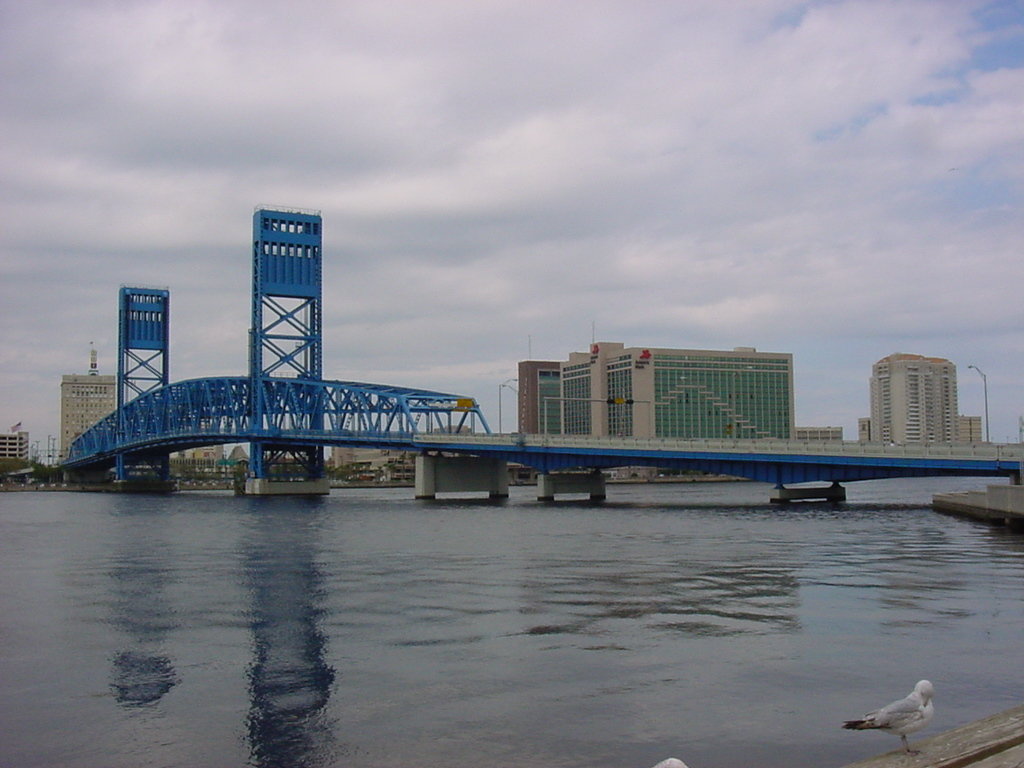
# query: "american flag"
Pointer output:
{"type": "Point", "coordinates": [16, 427]}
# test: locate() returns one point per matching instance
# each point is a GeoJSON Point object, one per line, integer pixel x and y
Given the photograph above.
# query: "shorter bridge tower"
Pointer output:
{"type": "Point", "coordinates": [143, 342]}
{"type": "Point", "coordinates": [285, 341]}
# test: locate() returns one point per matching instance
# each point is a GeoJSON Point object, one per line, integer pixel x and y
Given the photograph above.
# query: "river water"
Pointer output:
{"type": "Point", "coordinates": [367, 629]}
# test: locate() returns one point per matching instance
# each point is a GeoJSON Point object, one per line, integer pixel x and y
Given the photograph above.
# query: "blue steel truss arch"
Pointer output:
{"type": "Point", "coordinates": [299, 414]}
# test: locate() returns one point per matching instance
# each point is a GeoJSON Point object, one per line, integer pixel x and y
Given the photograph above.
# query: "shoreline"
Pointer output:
{"type": "Point", "coordinates": [227, 485]}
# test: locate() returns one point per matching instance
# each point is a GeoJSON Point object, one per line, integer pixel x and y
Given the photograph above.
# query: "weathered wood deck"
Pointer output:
{"type": "Point", "coordinates": [994, 742]}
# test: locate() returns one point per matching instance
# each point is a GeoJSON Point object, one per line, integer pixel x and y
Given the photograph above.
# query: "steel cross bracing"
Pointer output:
{"type": "Point", "coordinates": [142, 364]}
{"type": "Point", "coordinates": [217, 410]}
{"type": "Point", "coordinates": [286, 334]}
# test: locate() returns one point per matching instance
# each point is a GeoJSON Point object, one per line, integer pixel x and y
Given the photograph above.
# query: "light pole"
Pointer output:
{"type": "Point", "coordinates": [507, 383]}
{"type": "Point", "coordinates": [984, 386]}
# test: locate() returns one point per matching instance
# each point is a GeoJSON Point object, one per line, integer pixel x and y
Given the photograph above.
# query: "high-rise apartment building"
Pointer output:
{"type": "Point", "coordinates": [84, 400]}
{"type": "Point", "coordinates": [914, 400]}
{"type": "Point", "coordinates": [540, 390]}
{"type": "Point", "coordinates": [689, 393]}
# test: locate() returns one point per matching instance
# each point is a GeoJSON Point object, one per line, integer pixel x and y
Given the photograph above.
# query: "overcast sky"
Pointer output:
{"type": "Point", "coordinates": [502, 179]}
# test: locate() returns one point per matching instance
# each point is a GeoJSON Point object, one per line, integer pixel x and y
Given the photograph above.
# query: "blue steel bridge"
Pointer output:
{"type": "Point", "coordinates": [287, 412]}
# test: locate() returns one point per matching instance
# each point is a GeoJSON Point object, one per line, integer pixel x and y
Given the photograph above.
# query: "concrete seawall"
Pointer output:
{"type": "Point", "coordinates": [998, 505]}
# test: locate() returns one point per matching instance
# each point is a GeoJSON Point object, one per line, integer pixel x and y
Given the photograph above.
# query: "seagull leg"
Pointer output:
{"type": "Point", "coordinates": [906, 746]}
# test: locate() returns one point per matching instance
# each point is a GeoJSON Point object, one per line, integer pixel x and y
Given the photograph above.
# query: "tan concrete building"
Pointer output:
{"type": "Point", "coordinates": [14, 444]}
{"type": "Point", "coordinates": [84, 400]}
{"type": "Point", "coordinates": [864, 430]}
{"type": "Point", "coordinates": [819, 434]}
{"type": "Point", "coordinates": [914, 400]}
{"type": "Point", "coordinates": [969, 429]}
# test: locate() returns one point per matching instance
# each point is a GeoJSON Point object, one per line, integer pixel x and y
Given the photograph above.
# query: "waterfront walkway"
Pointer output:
{"type": "Point", "coordinates": [994, 742]}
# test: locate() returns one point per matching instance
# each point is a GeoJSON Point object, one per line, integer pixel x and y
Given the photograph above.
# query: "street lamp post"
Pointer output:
{"type": "Point", "coordinates": [984, 386]}
{"type": "Point", "coordinates": [507, 383]}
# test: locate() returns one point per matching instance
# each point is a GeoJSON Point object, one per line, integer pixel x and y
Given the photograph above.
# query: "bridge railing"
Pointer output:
{"type": "Point", "coordinates": [1001, 452]}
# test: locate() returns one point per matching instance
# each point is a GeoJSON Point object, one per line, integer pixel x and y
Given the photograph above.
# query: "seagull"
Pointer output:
{"type": "Point", "coordinates": [671, 763]}
{"type": "Point", "coordinates": [902, 717]}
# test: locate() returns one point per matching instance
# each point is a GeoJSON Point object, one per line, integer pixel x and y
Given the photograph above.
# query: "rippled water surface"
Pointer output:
{"type": "Point", "coordinates": [367, 629]}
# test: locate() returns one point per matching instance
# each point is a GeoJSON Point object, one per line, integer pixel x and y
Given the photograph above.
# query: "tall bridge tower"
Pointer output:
{"type": "Point", "coordinates": [143, 339]}
{"type": "Point", "coordinates": [285, 338]}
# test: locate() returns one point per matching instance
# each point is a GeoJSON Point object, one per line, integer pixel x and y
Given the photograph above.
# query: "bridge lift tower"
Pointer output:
{"type": "Point", "coordinates": [285, 341]}
{"type": "Point", "coordinates": [143, 338]}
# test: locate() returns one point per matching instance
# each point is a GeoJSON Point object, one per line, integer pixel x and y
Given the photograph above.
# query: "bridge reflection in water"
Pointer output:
{"type": "Point", "coordinates": [290, 680]}
{"type": "Point", "coordinates": [142, 672]}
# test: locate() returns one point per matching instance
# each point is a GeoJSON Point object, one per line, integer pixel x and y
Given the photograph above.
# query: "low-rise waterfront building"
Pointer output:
{"type": "Point", "coordinates": [968, 429]}
{"type": "Point", "coordinates": [819, 434]}
{"type": "Point", "coordinates": [14, 444]}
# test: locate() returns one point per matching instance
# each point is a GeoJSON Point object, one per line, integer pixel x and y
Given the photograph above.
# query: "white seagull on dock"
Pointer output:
{"type": "Point", "coordinates": [901, 717]}
{"type": "Point", "coordinates": [671, 763]}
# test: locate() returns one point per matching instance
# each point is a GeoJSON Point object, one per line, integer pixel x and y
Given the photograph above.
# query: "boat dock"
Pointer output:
{"type": "Point", "coordinates": [994, 742]}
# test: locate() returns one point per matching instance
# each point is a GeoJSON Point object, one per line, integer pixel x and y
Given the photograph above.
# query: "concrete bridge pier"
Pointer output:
{"type": "Point", "coordinates": [101, 480]}
{"type": "Point", "coordinates": [263, 486]}
{"type": "Point", "coordinates": [783, 495]}
{"type": "Point", "coordinates": [87, 476]}
{"type": "Point", "coordinates": [460, 474]}
{"type": "Point", "coordinates": [550, 484]}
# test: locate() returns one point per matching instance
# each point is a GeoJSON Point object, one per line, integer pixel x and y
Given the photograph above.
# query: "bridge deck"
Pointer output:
{"type": "Point", "coordinates": [777, 461]}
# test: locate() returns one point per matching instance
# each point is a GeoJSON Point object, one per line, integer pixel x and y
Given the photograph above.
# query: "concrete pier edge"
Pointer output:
{"type": "Point", "coordinates": [998, 505]}
{"type": "Point", "coordinates": [996, 741]}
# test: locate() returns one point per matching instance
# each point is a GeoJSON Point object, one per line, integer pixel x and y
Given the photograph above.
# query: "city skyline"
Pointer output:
{"type": "Point", "coordinates": [504, 181]}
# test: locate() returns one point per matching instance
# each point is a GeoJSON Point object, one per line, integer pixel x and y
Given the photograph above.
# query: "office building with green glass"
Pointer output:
{"type": "Point", "coordinates": [614, 390]}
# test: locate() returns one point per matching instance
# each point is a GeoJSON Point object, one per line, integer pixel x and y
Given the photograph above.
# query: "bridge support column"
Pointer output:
{"type": "Point", "coordinates": [783, 495]}
{"type": "Point", "coordinates": [87, 476]}
{"type": "Point", "coordinates": [456, 474]}
{"type": "Point", "coordinates": [550, 484]}
{"type": "Point", "coordinates": [262, 486]}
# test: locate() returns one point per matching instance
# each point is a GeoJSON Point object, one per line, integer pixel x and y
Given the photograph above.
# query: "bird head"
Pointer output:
{"type": "Point", "coordinates": [924, 690]}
